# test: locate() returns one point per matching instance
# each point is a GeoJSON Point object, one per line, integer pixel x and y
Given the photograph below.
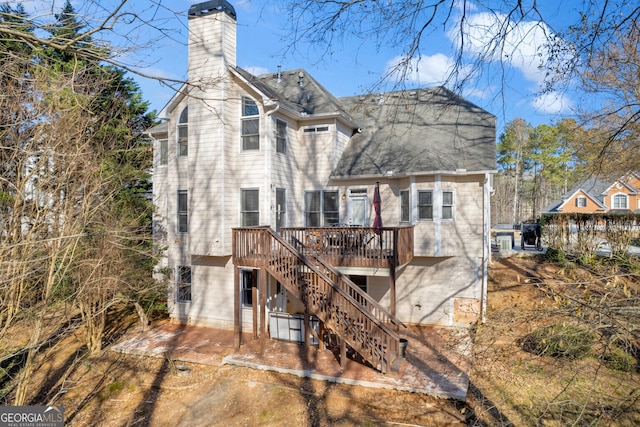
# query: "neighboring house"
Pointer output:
{"type": "Point", "coordinates": [600, 196]}
{"type": "Point", "coordinates": [266, 189]}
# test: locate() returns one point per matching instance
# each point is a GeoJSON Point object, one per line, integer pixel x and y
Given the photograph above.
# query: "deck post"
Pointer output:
{"type": "Point", "coordinates": [392, 274]}
{"type": "Point", "coordinates": [254, 300]}
{"type": "Point", "coordinates": [263, 311]}
{"type": "Point", "coordinates": [343, 353]}
{"type": "Point", "coordinates": [307, 331]}
{"type": "Point", "coordinates": [237, 329]}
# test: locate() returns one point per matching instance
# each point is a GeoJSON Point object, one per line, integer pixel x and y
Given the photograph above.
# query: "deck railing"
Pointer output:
{"type": "Point", "coordinates": [355, 246]}
{"type": "Point", "coordinates": [343, 307]}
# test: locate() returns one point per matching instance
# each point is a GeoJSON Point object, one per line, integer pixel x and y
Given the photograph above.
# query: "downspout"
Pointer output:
{"type": "Point", "coordinates": [486, 253]}
{"type": "Point", "coordinates": [267, 159]}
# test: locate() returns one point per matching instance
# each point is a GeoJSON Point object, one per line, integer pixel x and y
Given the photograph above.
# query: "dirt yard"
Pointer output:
{"type": "Point", "coordinates": [509, 386]}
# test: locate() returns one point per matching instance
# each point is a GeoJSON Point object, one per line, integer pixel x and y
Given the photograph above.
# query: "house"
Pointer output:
{"type": "Point", "coordinates": [267, 192]}
{"type": "Point", "coordinates": [600, 196]}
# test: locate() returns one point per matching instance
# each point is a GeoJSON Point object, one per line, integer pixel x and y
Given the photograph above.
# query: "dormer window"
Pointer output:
{"type": "Point", "coordinates": [183, 132]}
{"type": "Point", "coordinates": [250, 125]}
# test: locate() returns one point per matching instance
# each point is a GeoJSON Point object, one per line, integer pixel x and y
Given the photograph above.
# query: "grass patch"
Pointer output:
{"type": "Point", "coordinates": [560, 341]}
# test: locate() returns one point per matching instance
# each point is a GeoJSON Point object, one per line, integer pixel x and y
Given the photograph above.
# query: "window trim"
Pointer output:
{"type": "Point", "coordinates": [581, 202]}
{"type": "Point", "coordinates": [316, 129]}
{"type": "Point", "coordinates": [246, 292]}
{"type": "Point", "coordinates": [284, 138]}
{"type": "Point", "coordinates": [182, 213]}
{"type": "Point", "coordinates": [182, 144]}
{"type": "Point", "coordinates": [182, 285]}
{"type": "Point", "coordinates": [419, 205]}
{"type": "Point", "coordinates": [244, 211]}
{"type": "Point", "coordinates": [452, 205]}
{"type": "Point", "coordinates": [405, 193]}
{"type": "Point", "coordinates": [163, 148]}
{"type": "Point", "coordinates": [619, 196]}
{"type": "Point", "coordinates": [322, 212]}
{"type": "Point", "coordinates": [281, 208]}
{"type": "Point", "coordinates": [245, 100]}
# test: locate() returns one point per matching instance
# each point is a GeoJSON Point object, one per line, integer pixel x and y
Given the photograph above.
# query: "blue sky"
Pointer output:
{"type": "Point", "coordinates": [353, 66]}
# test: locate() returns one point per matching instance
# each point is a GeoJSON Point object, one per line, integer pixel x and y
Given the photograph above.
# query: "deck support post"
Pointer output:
{"type": "Point", "coordinates": [307, 331]}
{"type": "Point", "coordinates": [343, 353]}
{"type": "Point", "coordinates": [237, 328]}
{"type": "Point", "coordinates": [254, 299]}
{"type": "Point", "coordinates": [263, 311]}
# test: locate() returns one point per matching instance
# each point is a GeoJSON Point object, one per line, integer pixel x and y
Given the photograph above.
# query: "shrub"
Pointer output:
{"type": "Point", "coordinates": [560, 340]}
{"type": "Point", "coordinates": [556, 256]}
{"type": "Point", "coordinates": [617, 359]}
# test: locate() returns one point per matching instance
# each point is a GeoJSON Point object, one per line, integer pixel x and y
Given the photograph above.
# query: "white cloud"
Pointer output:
{"type": "Point", "coordinates": [552, 103]}
{"type": "Point", "coordinates": [425, 70]}
{"type": "Point", "coordinates": [491, 37]}
{"type": "Point", "coordinates": [256, 71]}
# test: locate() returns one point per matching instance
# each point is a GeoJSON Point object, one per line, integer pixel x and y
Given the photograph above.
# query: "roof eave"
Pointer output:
{"type": "Point", "coordinates": [392, 174]}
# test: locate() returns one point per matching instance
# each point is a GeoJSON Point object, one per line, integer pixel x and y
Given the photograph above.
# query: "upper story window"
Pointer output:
{"type": "Point", "coordinates": [620, 201]}
{"type": "Point", "coordinates": [321, 208]}
{"type": "Point", "coordinates": [164, 151]}
{"type": "Point", "coordinates": [447, 205]}
{"type": "Point", "coordinates": [183, 212]}
{"type": "Point", "coordinates": [581, 202]}
{"type": "Point", "coordinates": [425, 204]}
{"type": "Point", "coordinates": [250, 125]}
{"type": "Point", "coordinates": [311, 130]}
{"type": "Point", "coordinates": [250, 208]}
{"type": "Point", "coordinates": [281, 137]}
{"type": "Point", "coordinates": [183, 132]}
{"type": "Point", "coordinates": [404, 206]}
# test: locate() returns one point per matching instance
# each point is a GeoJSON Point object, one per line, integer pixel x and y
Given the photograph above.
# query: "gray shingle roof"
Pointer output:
{"type": "Point", "coordinates": [297, 90]}
{"type": "Point", "coordinates": [404, 132]}
{"type": "Point", "coordinates": [417, 131]}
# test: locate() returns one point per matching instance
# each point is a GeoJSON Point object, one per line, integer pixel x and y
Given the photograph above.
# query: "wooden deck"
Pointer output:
{"type": "Point", "coordinates": [300, 259]}
{"type": "Point", "coordinates": [340, 246]}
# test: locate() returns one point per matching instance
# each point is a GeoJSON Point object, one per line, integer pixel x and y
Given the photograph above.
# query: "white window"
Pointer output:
{"type": "Point", "coordinates": [620, 201]}
{"type": "Point", "coordinates": [250, 208]}
{"type": "Point", "coordinates": [183, 132]}
{"type": "Point", "coordinates": [247, 283]}
{"type": "Point", "coordinates": [425, 204]}
{"type": "Point", "coordinates": [281, 137]}
{"type": "Point", "coordinates": [311, 130]}
{"type": "Point", "coordinates": [183, 211]}
{"type": "Point", "coordinates": [183, 283]}
{"type": "Point", "coordinates": [164, 151]}
{"type": "Point", "coordinates": [447, 205]}
{"type": "Point", "coordinates": [321, 208]}
{"type": "Point", "coordinates": [250, 125]}
{"type": "Point", "coordinates": [581, 202]}
{"type": "Point", "coordinates": [281, 208]}
{"type": "Point", "coordinates": [404, 206]}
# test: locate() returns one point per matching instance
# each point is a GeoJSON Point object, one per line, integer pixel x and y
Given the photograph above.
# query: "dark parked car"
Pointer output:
{"type": "Point", "coordinates": [530, 236]}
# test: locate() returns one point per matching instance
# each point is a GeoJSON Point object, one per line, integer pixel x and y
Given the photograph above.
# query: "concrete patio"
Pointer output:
{"type": "Point", "coordinates": [437, 361]}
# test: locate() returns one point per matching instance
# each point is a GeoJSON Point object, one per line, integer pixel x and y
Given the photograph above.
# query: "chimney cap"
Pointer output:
{"type": "Point", "coordinates": [213, 6]}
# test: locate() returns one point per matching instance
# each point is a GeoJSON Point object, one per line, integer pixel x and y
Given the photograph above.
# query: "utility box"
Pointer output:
{"type": "Point", "coordinates": [504, 243]}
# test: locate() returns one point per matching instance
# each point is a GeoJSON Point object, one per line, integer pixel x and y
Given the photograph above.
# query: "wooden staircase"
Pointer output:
{"type": "Point", "coordinates": [345, 309]}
